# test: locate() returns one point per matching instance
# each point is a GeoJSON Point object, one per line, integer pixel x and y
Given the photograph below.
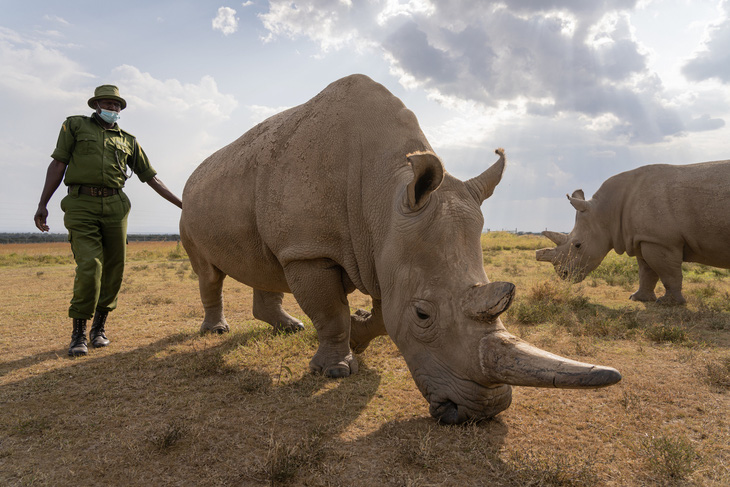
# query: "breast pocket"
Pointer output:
{"type": "Point", "coordinates": [87, 144]}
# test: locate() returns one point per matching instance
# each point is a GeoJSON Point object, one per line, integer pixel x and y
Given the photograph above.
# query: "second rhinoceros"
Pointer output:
{"type": "Point", "coordinates": [344, 192]}
{"type": "Point", "coordinates": [662, 214]}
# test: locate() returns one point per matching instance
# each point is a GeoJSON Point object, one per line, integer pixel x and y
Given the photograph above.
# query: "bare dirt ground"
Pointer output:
{"type": "Point", "coordinates": [163, 405]}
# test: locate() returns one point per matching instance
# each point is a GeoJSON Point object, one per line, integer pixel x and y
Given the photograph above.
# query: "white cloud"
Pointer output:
{"type": "Point", "coordinates": [394, 8]}
{"type": "Point", "coordinates": [550, 57]}
{"type": "Point", "coordinates": [333, 24]}
{"type": "Point", "coordinates": [176, 99]}
{"type": "Point", "coordinates": [35, 68]}
{"type": "Point", "coordinates": [259, 112]}
{"type": "Point", "coordinates": [56, 18]}
{"type": "Point", "coordinates": [713, 60]}
{"type": "Point", "coordinates": [226, 21]}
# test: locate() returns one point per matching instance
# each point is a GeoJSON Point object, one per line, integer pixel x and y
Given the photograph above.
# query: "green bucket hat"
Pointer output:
{"type": "Point", "coordinates": [107, 92]}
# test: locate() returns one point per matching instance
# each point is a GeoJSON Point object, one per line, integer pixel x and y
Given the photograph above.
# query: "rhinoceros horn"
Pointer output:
{"type": "Point", "coordinates": [556, 237]}
{"type": "Point", "coordinates": [506, 359]}
{"type": "Point", "coordinates": [546, 255]}
{"type": "Point", "coordinates": [483, 185]}
{"type": "Point", "coordinates": [485, 302]}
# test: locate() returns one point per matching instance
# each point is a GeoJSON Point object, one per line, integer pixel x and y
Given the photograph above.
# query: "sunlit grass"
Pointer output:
{"type": "Point", "coordinates": [164, 405]}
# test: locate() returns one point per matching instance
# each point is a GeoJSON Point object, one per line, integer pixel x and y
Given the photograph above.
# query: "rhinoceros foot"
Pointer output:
{"type": "Point", "coordinates": [336, 370]}
{"type": "Point", "coordinates": [365, 326]}
{"type": "Point", "coordinates": [219, 327]}
{"type": "Point", "coordinates": [359, 336]}
{"type": "Point", "coordinates": [671, 300]}
{"type": "Point", "coordinates": [643, 296]}
{"type": "Point", "coordinates": [288, 328]}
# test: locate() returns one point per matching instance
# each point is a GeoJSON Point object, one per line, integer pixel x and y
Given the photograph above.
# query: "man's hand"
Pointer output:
{"type": "Point", "coordinates": [40, 218]}
{"type": "Point", "coordinates": [54, 176]}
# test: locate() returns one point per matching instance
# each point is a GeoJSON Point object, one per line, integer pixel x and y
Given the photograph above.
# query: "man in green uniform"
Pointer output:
{"type": "Point", "coordinates": [96, 157]}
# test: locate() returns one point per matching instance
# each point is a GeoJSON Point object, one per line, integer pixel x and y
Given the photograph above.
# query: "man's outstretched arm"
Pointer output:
{"type": "Point", "coordinates": [162, 190]}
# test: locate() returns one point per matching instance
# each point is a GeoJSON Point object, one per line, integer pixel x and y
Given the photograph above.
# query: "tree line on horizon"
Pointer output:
{"type": "Point", "coordinates": [8, 238]}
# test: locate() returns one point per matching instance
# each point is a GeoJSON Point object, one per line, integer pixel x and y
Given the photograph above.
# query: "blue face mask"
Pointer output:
{"type": "Point", "coordinates": [109, 116]}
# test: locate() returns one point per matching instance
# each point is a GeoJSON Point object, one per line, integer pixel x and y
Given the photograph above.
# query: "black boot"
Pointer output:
{"type": "Point", "coordinates": [96, 335]}
{"type": "Point", "coordinates": [78, 339]}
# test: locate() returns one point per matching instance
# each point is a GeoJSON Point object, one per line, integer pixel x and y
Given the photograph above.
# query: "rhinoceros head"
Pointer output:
{"type": "Point", "coordinates": [583, 249]}
{"type": "Point", "coordinates": [443, 313]}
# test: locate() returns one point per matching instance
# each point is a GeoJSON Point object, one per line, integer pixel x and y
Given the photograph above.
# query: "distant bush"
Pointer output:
{"type": "Point", "coordinates": [493, 241]}
{"type": "Point", "coordinates": [618, 270]}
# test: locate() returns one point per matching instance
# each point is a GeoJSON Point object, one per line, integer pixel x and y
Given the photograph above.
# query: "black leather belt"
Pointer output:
{"type": "Point", "coordinates": [96, 191]}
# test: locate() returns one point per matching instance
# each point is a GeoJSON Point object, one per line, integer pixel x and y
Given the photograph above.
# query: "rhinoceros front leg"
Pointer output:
{"type": "Point", "coordinates": [317, 287]}
{"type": "Point", "coordinates": [667, 264]}
{"type": "Point", "coordinates": [647, 282]}
{"type": "Point", "coordinates": [210, 281]}
{"type": "Point", "coordinates": [267, 307]}
{"type": "Point", "coordinates": [364, 326]}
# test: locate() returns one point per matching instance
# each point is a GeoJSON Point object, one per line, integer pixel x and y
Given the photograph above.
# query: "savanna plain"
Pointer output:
{"type": "Point", "coordinates": [163, 405]}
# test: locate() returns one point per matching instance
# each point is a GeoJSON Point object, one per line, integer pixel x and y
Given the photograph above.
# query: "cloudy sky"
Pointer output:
{"type": "Point", "coordinates": [574, 90]}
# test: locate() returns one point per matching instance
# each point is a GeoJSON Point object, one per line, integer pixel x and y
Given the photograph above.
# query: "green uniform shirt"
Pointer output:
{"type": "Point", "coordinates": [97, 156]}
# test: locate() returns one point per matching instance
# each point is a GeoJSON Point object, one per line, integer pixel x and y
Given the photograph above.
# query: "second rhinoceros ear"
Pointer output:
{"type": "Point", "coordinates": [428, 173]}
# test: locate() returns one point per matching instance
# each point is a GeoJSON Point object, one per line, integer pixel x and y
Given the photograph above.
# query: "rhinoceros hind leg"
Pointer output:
{"type": "Point", "coordinates": [317, 287]}
{"type": "Point", "coordinates": [211, 293]}
{"type": "Point", "coordinates": [667, 264]}
{"type": "Point", "coordinates": [267, 307]}
{"type": "Point", "coordinates": [210, 281]}
{"type": "Point", "coordinates": [647, 282]}
{"type": "Point", "coordinates": [364, 326]}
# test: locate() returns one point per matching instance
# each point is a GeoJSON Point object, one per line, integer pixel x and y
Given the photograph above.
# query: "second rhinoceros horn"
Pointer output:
{"type": "Point", "coordinates": [506, 359]}
{"type": "Point", "coordinates": [487, 301]}
{"type": "Point", "coordinates": [483, 185]}
{"type": "Point", "coordinates": [556, 237]}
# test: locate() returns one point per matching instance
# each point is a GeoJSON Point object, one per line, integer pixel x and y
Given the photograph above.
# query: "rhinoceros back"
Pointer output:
{"type": "Point", "coordinates": [308, 183]}
{"type": "Point", "coordinates": [676, 205]}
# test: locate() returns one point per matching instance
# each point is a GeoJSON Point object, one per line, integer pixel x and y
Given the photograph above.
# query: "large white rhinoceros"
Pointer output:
{"type": "Point", "coordinates": [344, 193]}
{"type": "Point", "coordinates": [662, 214]}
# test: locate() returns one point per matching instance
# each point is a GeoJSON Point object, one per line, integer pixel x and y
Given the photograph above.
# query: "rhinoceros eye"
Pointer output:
{"type": "Point", "coordinates": [424, 324]}
{"type": "Point", "coordinates": [422, 314]}
{"type": "Point", "coordinates": [577, 245]}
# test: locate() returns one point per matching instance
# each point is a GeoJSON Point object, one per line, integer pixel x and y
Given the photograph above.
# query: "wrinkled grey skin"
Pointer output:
{"type": "Point", "coordinates": [342, 193]}
{"type": "Point", "coordinates": [662, 214]}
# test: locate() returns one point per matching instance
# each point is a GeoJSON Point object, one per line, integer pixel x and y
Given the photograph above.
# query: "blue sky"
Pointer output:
{"type": "Point", "coordinates": [575, 91]}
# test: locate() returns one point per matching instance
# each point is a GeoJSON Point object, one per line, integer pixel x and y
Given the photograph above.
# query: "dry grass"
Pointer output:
{"type": "Point", "coordinates": [165, 406]}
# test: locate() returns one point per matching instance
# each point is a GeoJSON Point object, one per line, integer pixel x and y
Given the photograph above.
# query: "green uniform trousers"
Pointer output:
{"type": "Point", "coordinates": [97, 230]}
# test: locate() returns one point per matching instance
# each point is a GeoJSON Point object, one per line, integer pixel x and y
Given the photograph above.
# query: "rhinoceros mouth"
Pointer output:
{"type": "Point", "coordinates": [445, 412]}
{"type": "Point", "coordinates": [482, 403]}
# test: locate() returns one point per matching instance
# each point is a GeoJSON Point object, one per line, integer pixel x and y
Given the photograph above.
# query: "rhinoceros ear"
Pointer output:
{"type": "Point", "coordinates": [483, 185]}
{"type": "Point", "coordinates": [428, 173]}
{"type": "Point", "coordinates": [578, 200]}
